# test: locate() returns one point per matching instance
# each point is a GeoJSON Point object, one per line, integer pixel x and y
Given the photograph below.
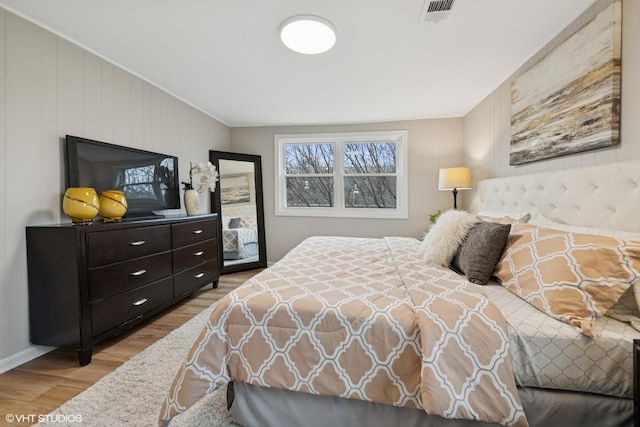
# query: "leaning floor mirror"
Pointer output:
{"type": "Point", "coordinates": [238, 202]}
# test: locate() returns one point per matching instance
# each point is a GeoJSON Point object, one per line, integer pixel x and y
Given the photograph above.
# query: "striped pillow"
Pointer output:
{"type": "Point", "coordinates": [572, 277]}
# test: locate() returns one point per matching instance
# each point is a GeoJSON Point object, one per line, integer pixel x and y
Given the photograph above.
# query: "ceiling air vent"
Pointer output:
{"type": "Point", "coordinates": [437, 10]}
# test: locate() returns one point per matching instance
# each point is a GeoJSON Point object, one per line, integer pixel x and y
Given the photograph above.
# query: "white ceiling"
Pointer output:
{"type": "Point", "coordinates": [225, 57]}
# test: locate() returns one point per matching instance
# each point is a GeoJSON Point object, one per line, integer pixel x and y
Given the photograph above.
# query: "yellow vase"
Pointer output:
{"type": "Point", "coordinates": [113, 205]}
{"type": "Point", "coordinates": [80, 204]}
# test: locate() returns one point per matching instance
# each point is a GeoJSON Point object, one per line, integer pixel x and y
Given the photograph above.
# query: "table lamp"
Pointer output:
{"type": "Point", "coordinates": [454, 179]}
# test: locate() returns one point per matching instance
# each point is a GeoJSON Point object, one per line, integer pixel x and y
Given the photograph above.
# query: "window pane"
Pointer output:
{"type": "Point", "coordinates": [138, 182]}
{"type": "Point", "coordinates": [370, 192]}
{"type": "Point", "coordinates": [310, 192]}
{"type": "Point", "coordinates": [370, 157]}
{"type": "Point", "coordinates": [309, 158]}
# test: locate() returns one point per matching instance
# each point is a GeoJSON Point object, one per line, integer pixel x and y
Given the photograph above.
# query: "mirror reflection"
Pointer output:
{"type": "Point", "coordinates": [238, 202]}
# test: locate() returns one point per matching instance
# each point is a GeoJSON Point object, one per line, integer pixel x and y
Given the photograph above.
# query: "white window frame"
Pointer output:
{"type": "Point", "coordinates": [339, 139]}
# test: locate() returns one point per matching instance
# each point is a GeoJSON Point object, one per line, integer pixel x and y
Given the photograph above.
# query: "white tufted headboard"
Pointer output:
{"type": "Point", "coordinates": [602, 196]}
{"type": "Point", "coordinates": [237, 211]}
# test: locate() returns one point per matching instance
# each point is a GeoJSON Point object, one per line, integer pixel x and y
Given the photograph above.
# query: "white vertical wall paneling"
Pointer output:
{"type": "Point", "coordinates": [4, 284]}
{"type": "Point", "coordinates": [50, 88]}
{"type": "Point", "coordinates": [137, 112]}
{"type": "Point", "coordinates": [156, 119]}
{"type": "Point", "coordinates": [70, 89]}
{"type": "Point", "coordinates": [167, 126]}
{"type": "Point", "coordinates": [630, 133]}
{"type": "Point", "coordinates": [92, 96]}
{"type": "Point", "coordinates": [108, 102]}
{"type": "Point", "coordinates": [495, 163]}
{"type": "Point", "coordinates": [23, 132]}
{"type": "Point", "coordinates": [52, 149]}
{"type": "Point", "coordinates": [122, 108]}
{"type": "Point", "coordinates": [147, 114]}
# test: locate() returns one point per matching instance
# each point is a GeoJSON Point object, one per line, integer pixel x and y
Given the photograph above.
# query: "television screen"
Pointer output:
{"type": "Point", "coordinates": [149, 180]}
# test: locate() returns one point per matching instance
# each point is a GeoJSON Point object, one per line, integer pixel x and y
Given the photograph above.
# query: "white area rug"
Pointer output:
{"type": "Point", "coordinates": [133, 394]}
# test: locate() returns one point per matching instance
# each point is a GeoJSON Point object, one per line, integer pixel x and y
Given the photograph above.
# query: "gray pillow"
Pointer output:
{"type": "Point", "coordinates": [478, 255]}
{"type": "Point", "coordinates": [234, 223]}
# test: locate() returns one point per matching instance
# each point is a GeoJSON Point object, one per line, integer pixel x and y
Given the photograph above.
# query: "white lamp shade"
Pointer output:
{"type": "Point", "coordinates": [454, 178]}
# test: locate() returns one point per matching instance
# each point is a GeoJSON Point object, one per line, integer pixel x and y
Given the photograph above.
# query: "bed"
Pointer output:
{"type": "Point", "coordinates": [239, 232]}
{"type": "Point", "coordinates": [346, 331]}
{"type": "Point", "coordinates": [240, 240]}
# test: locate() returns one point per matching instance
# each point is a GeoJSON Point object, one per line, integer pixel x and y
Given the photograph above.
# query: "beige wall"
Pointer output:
{"type": "Point", "coordinates": [432, 144]}
{"type": "Point", "coordinates": [487, 128]}
{"type": "Point", "coordinates": [50, 88]}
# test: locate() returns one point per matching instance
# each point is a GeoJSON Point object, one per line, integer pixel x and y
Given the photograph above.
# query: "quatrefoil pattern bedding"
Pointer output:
{"type": "Point", "coordinates": [573, 277]}
{"type": "Point", "coordinates": [360, 319]}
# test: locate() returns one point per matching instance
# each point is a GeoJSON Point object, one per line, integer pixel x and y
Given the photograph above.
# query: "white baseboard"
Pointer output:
{"type": "Point", "coordinates": [23, 357]}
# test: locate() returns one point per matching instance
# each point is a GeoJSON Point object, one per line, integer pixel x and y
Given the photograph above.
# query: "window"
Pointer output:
{"type": "Point", "coordinates": [342, 175]}
{"type": "Point", "coordinates": [146, 181]}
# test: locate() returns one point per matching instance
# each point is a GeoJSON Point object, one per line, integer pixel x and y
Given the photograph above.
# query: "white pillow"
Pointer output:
{"type": "Point", "coordinates": [445, 237]}
{"type": "Point", "coordinates": [517, 217]}
{"type": "Point", "coordinates": [543, 221]}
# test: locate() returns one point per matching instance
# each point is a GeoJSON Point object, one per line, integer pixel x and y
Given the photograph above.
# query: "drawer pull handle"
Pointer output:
{"type": "Point", "coordinates": [197, 231]}
{"type": "Point", "coordinates": [138, 273]}
{"type": "Point", "coordinates": [199, 253]}
{"type": "Point", "coordinates": [138, 243]}
{"type": "Point", "coordinates": [197, 276]}
{"type": "Point", "coordinates": [140, 302]}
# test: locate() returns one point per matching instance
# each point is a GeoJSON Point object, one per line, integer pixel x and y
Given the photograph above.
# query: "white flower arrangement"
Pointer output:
{"type": "Point", "coordinates": [208, 177]}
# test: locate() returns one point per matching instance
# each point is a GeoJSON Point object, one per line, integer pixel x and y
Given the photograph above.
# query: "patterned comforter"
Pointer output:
{"type": "Point", "coordinates": [361, 319]}
{"type": "Point", "coordinates": [234, 239]}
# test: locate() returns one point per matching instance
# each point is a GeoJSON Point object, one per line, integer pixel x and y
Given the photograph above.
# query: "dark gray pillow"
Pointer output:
{"type": "Point", "coordinates": [478, 255]}
{"type": "Point", "coordinates": [234, 223]}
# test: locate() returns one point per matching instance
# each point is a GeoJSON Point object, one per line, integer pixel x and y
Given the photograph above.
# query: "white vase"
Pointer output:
{"type": "Point", "coordinates": [191, 201]}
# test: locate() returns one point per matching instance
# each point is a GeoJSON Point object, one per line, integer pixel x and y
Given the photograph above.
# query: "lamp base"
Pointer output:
{"type": "Point", "coordinates": [455, 196]}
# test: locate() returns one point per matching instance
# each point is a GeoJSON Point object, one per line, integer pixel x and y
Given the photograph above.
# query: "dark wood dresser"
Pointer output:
{"type": "Point", "coordinates": [90, 282]}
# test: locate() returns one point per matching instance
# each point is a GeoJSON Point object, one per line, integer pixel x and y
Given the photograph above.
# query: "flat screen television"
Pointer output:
{"type": "Point", "coordinates": [149, 180]}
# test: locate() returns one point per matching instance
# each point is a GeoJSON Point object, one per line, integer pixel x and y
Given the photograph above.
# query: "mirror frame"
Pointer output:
{"type": "Point", "coordinates": [216, 206]}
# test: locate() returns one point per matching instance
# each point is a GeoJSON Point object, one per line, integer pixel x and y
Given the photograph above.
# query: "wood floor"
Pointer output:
{"type": "Point", "coordinates": [43, 384]}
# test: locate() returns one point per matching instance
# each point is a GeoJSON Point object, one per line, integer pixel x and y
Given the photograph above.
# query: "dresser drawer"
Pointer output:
{"type": "Point", "coordinates": [121, 276]}
{"type": "Point", "coordinates": [116, 245]}
{"type": "Point", "coordinates": [189, 256]}
{"type": "Point", "coordinates": [195, 277]}
{"type": "Point", "coordinates": [114, 311]}
{"type": "Point", "coordinates": [189, 232]}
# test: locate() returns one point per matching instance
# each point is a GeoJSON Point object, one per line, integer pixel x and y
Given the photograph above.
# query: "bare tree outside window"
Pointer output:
{"type": "Point", "coordinates": [312, 165]}
{"type": "Point", "coordinates": [369, 175]}
{"type": "Point", "coordinates": [370, 180]}
{"type": "Point", "coordinates": [348, 175]}
{"type": "Point", "coordinates": [147, 181]}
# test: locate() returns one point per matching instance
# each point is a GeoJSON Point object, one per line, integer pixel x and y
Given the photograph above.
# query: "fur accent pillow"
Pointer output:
{"type": "Point", "coordinates": [445, 237]}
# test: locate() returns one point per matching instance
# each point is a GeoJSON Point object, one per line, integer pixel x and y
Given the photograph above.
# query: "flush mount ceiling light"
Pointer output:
{"type": "Point", "coordinates": [308, 34]}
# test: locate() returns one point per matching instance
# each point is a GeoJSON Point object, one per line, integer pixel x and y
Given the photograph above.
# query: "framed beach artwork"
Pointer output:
{"type": "Point", "coordinates": [569, 102]}
{"type": "Point", "coordinates": [235, 189]}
